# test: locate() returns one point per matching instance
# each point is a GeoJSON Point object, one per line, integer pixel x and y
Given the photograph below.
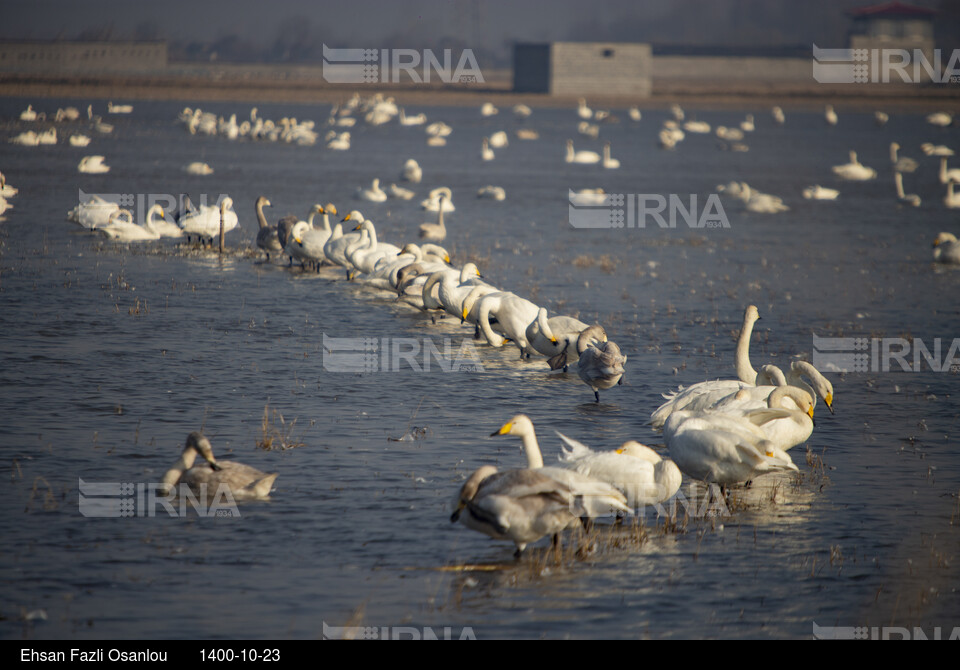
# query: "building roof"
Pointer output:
{"type": "Point", "coordinates": [889, 9]}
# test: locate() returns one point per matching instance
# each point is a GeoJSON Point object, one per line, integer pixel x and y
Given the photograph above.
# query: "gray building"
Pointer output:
{"type": "Point", "coordinates": [53, 57]}
{"type": "Point", "coordinates": [583, 68]}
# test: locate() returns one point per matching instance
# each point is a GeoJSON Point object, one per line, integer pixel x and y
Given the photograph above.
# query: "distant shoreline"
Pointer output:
{"type": "Point", "coordinates": [733, 94]}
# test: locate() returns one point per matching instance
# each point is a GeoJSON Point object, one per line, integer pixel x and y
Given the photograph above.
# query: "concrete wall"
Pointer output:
{"type": "Point", "coordinates": [587, 68]}
{"type": "Point", "coordinates": [82, 57]}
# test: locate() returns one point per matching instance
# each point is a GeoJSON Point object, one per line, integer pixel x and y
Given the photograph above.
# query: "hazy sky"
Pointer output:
{"type": "Point", "coordinates": [482, 24]}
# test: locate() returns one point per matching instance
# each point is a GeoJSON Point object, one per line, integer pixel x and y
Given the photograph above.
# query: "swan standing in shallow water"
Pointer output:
{"type": "Point", "coordinates": [911, 199]}
{"type": "Point", "coordinates": [521, 506]}
{"type": "Point", "coordinates": [93, 165]}
{"type": "Point", "coordinates": [434, 232]}
{"type": "Point", "coordinates": [486, 153]}
{"type": "Point", "coordinates": [946, 249]}
{"type": "Point", "coordinates": [121, 228]}
{"type": "Point", "coordinates": [786, 431]}
{"type": "Point", "coordinates": [947, 176]}
{"type": "Point", "coordinates": [601, 363]}
{"type": "Point", "coordinates": [242, 481]}
{"type": "Point", "coordinates": [609, 163]}
{"type": "Point", "coordinates": [599, 498]}
{"type": "Point", "coordinates": [555, 337]}
{"type": "Point", "coordinates": [634, 469]}
{"type": "Point", "coordinates": [513, 315]}
{"type": "Point", "coordinates": [267, 237]}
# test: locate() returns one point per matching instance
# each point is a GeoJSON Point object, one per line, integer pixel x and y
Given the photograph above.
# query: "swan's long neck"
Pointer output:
{"type": "Point", "coordinates": [745, 371]}
{"type": "Point", "coordinates": [893, 153]}
{"type": "Point", "coordinates": [260, 217]}
{"type": "Point", "coordinates": [173, 474]}
{"type": "Point", "coordinates": [440, 216]}
{"type": "Point", "coordinates": [313, 214]}
{"type": "Point", "coordinates": [898, 180]}
{"type": "Point", "coordinates": [531, 448]}
{"type": "Point", "coordinates": [428, 300]}
{"type": "Point", "coordinates": [544, 325]}
{"type": "Point", "coordinates": [795, 379]}
{"type": "Point", "coordinates": [493, 339]}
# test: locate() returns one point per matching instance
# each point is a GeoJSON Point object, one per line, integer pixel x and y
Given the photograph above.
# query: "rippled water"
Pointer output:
{"type": "Point", "coordinates": [112, 354]}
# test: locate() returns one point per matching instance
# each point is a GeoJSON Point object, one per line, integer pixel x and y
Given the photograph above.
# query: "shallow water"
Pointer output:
{"type": "Point", "coordinates": [112, 354]}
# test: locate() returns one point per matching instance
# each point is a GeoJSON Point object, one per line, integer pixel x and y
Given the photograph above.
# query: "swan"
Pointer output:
{"type": "Point", "coordinates": [587, 157]}
{"type": "Point", "coordinates": [912, 199]}
{"type": "Point", "coordinates": [121, 228]}
{"type": "Point", "coordinates": [400, 193]}
{"type": "Point", "coordinates": [365, 252]}
{"type": "Point", "coordinates": [438, 129]}
{"type": "Point", "coordinates": [161, 226]}
{"type": "Point", "coordinates": [498, 140]}
{"type": "Point", "coordinates": [830, 115]}
{"type": "Point", "coordinates": [48, 136]}
{"type": "Point", "coordinates": [901, 164]}
{"type": "Point", "coordinates": [555, 337]}
{"type": "Point", "coordinates": [205, 222]}
{"type": "Point", "coordinates": [386, 272]}
{"type": "Point", "coordinates": [434, 201]}
{"type": "Point", "coordinates": [411, 171]}
{"type": "Point", "coordinates": [677, 112]}
{"type": "Point", "coordinates": [599, 498]}
{"type": "Point", "coordinates": [941, 119]}
{"type": "Point", "coordinates": [29, 114]}
{"type": "Point", "coordinates": [931, 149]}
{"type": "Point", "coordinates": [93, 165]}
{"type": "Point", "coordinates": [854, 170]}
{"type": "Point", "coordinates": [119, 109]}
{"type": "Point", "coordinates": [880, 118]}
{"type": "Point", "coordinates": [946, 249]}
{"type": "Point", "coordinates": [522, 111]}
{"type": "Point", "coordinates": [601, 363]}
{"type": "Point", "coordinates": [583, 111]}
{"type": "Point", "coordinates": [94, 213]}
{"type": "Point", "coordinates": [6, 190]}
{"type": "Point", "coordinates": [492, 193]}
{"type": "Point", "coordinates": [747, 125]}
{"type": "Point", "coordinates": [951, 200]}
{"type": "Point", "coordinates": [267, 237]}
{"type": "Point", "coordinates": [434, 232]}
{"type": "Point", "coordinates": [513, 315]}
{"type": "Point", "coordinates": [763, 203]}
{"type": "Point", "coordinates": [778, 116]}
{"type": "Point", "coordinates": [634, 114]}
{"type": "Point", "coordinates": [27, 139]}
{"type": "Point", "coordinates": [486, 153]}
{"type": "Point", "coordinates": [488, 109]}
{"type": "Point", "coordinates": [372, 194]}
{"type": "Point", "coordinates": [79, 140]}
{"type": "Point", "coordinates": [587, 196]}
{"type": "Point", "coordinates": [722, 449]}
{"type": "Point", "coordinates": [521, 506]}
{"type": "Point", "coordinates": [590, 130]}
{"type": "Point", "coordinates": [947, 176]}
{"type": "Point", "coordinates": [527, 134]}
{"type": "Point", "coordinates": [436, 141]}
{"type": "Point", "coordinates": [730, 134]}
{"type": "Point", "coordinates": [698, 127]}
{"type": "Point", "coordinates": [4, 205]}
{"type": "Point", "coordinates": [211, 477]}
{"type": "Point", "coordinates": [634, 469]}
{"type": "Point", "coordinates": [417, 120]}
{"type": "Point", "coordinates": [452, 289]}
{"type": "Point", "coordinates": [306, 243]}
{"type": "Point", "coordinates": [340, 142]}
{"type": "Point", "coordinates": [609, 163]}
{"type": "Point", "coordinates": [336, 247]}
{"type": "Point", "coordinates": [784, 432]}
{"type": "Point", "coordinates": [820, 193]}
{"type": "Point", "coordinates": [198, 168]}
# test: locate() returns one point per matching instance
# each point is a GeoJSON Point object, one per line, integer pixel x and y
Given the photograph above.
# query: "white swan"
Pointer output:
{"type": "Point", "coordinates": [947, 176]}
{"type": "Point", "coordinates": [7, 190]}
{"type": "Point", "coordinates": [527, 134]}
{"type": "Point", "coordinates": [764, 203]}
{"type": "Point", "coordinates": [439, 197]}
{"type": "Point", "coordinates": [784, 432]}
{"type": "Point", "coordinates": [951, 199]}
{"type": "Point", "coordinates": [4, 205]}
{"type": "Point", "coordinates": [119, 109]}
{"type": "Point", "coordinates": [499, 139]}
{"type": "Point", "coordinates": [830, 116]}
{"type": "Point", "coordinates": [411, 171]}
{"type": "Point", "coordinates": [488, 109]}
{"type": "Point", "coordinates": [747, 125]}
{"type": "Point", "coordinates": [585, 157]}
{"type": "Point", "coordinates": [213, 478]}
{"type": "Point", "coordinates": [492, 193]}
{"type": "Point", "coordinates": [400, 193]}
{"type": "Point", "coordinates": [364, 253]}
{"type": "Point", "coordinates": [29, 114]}
{"type": "Point", "coordinates": [121, 228]}
{"type": "Point", "coordinates": [513, 315]}
{"type": "Point", "coordinates": [434, 232]}
{"type": "Point", "coordinates": [336, 247]}
{"type": "Point", "coordinates": [94, 213]}
{"type": "Point", "coordinates": [587, 196]}
{"type": "Point", "coordinates": [417, 120]}
{"type": "Point", "coordinates": [722, 449]}
{"type": "Point", "coordinates": [583, 111]}
{"type": "Point", "coordinates": [931, 149]}
{"type": "Point", "coordinates": [946, 248]}
{"type": "Point", "coordinates": [161, 226]}
{"type": "Point", "coordinates": [599, 498]}
{"type": "Point", "coordinates": [778, 116]}
{"type": "Point", "coordinates": [339, 142]}
{"type": "Point", "coordinates": [941, 119]}
{"type": "Point", "coordinates": [911, 199]}
{"type": "Point", "coordinates": [880, 118]}
{"type": "Point", "coordinates": [27, 139]}
{"type": "Point", "coordinates": [79, 140]}
{"type": "Point", "coordinates": [854, 170]}
{"type": "Point", "coordinates": [522, 111]}
{"type": "Point", "coordinates": [818, 192]}
{"type": "Point", "coordinates": [634, 469]}
{"type": "Point", "coordinates": [486, 153]}
{"type": "Point", "coordinates": [609, 163]}
{"type": "Point", "coordinates": [93, 165]}
{"type": "Point", "coordinates": [601, 363]}
{"type": "Point", "coordinates": [372, 194]}
{"type": "Point", "coordinates": [730, 134]}
{"type": "Point", "coordinates": [205, 222]}
{"type": "Point", "coordinates": [901, 163]}
{"type": "Point", "coordinates": [48, 136]}
{"type": "Point", "coordinates": [198, 168]}
{"type": "Point", "coordinates": [634, 113]}
{"type": "Point", "coordinates": [697, 127]}
{"type": "Point", "coordinates": [521, 506]}
{"type": "Point", "coordinates": [590, 130]}
{"type": "Point", "coordinates": [555, 337]}
{"type": "Point", "coordinates": [452, 289]}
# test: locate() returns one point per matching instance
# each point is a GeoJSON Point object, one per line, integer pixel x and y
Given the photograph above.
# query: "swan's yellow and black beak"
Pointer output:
{"type": "Point", "coordinates": [446, 258]}
{"type": "Point", "coordinates": [810, 412]}
{"type": "Point", "coordinates": [504, 429]}
{"type": "Point", "coordinates": [463, 317]}
{"type": "Point", "coordinates": [456, 513]}
{"type": "Point", "coordinates": [359, 226]}
{"type": "Point", "coordinates": [829, 401]}
{"type": "Point", "coordinates": [346, 218]}
{"type": "Point", "coordinates": [553, 339]}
